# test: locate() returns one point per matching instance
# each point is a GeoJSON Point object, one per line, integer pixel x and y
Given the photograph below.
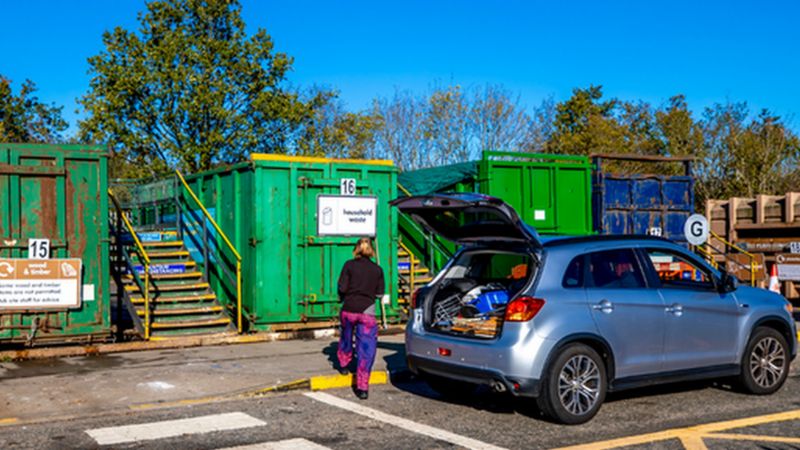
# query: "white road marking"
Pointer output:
{"type": "Point", "coordinates": [400, 422]}
{"type": "Point", "coordinates": [172, 428]}
{"type": "Point", "coordinates": [289, 444]}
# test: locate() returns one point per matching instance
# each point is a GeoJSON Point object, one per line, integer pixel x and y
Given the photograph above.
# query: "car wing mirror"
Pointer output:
{"type": "Point", "coordinates": [728, 283]}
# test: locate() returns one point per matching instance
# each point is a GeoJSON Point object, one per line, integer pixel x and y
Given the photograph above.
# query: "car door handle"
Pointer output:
{"type": "Point", "coordinates": [675, 309]}
{"type": "Point", "coordinates": [604, 306]}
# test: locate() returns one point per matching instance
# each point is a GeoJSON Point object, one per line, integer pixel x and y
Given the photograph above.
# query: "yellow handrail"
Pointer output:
{"type": "Point", "coordinates": [740, 250]}
{"type": "Point", "coordinates": [145, 257]}
{"type": "Point", "coordinates": [405, 191]}
{"type": "Point", "coordinates": [228, 243]}
{"type": "Point", "coordinates": [412, 269]}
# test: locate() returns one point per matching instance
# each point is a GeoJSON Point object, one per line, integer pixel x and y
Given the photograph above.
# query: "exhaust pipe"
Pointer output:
{"type": "Point", "coordinates": [498, 386]}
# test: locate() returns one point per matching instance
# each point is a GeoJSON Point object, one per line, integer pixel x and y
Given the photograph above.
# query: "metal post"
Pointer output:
{"type": "Point", "coordinates": [239, 295]}
{"type": "Point", "coordinates": [118, 273]}
{"type": "Point", "coordinates": [178, 210]}
{"type": "Point", "coordinates": [146, 302]}
{"type": "Point", "coordinates": [205, 250]}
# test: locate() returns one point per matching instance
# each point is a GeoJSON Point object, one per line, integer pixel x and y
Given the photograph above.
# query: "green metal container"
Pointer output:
{"type": "Point", "coordinates": [56, 192]}
{"type": "Point", "coordinates": [268, 208]}
{"type": "Point", "coordinates": [551, 192]}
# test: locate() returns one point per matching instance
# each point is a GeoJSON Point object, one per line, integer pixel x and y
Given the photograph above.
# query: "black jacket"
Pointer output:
{"type": "Point", "coordinates": [360, 283]}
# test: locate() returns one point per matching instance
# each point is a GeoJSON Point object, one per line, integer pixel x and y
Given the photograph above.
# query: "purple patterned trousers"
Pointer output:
{"type": "Point", "coordinates": [366, 328]}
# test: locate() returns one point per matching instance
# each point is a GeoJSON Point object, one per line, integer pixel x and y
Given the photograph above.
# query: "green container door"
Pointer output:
{"type": "Point", "coordinates": [57, 193]}
{"type": "Point", "coordinates": [550, 192]}
{"type": "Point", "coordinates": [269, 209]}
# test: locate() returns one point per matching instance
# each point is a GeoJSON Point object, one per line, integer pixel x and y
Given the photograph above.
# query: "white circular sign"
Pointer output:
{"type": "Point", "coordinates": [696, 229]}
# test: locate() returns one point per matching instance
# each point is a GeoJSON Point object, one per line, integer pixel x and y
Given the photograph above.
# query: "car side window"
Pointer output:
{"type": "Point", "coordinates": [573, 276]}
{"type": "Point", "coordinates": [615, 269]}
{"type": "Point", "coordinates": [677, 271]}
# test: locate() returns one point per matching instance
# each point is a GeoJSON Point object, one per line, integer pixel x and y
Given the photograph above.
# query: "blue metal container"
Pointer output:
{"type": "Point", "coordinates": [642, 204]}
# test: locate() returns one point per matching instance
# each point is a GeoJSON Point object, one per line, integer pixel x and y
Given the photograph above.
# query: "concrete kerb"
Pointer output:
{"type": "Point", "coordinates": [314, 383]}
{"type": "Point", "coordinates": [171, 343]}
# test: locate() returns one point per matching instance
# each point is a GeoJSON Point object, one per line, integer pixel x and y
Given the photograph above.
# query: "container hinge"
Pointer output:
{"type": "Point", "coordinates": [253, 241]}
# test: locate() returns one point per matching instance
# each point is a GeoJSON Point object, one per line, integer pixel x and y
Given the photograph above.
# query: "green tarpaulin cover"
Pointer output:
{"type": "Point", "coordinates": [437, 179]}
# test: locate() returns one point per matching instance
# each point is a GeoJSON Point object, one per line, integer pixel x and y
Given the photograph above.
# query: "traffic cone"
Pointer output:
{"type": "Point", "coordinates": [774, 284]}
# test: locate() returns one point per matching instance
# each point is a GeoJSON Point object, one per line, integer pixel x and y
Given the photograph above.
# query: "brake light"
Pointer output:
{"type": "Point", "coordinates": [523, 309]}
{"type": "Point", "coordinates": [414, 299]}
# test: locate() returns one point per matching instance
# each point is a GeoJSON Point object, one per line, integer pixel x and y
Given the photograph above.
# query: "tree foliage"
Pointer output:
{"type": "Point", "coordinates": [24, 118]}
{"type": "Point", "coordinates": [335, 132]}
{"type": "Point", "coordinates": [448, 124]}
{"type": "Point", "coordinates": [190, 90]}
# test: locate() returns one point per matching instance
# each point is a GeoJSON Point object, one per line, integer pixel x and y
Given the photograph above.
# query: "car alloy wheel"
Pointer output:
{"type": "Point", "coordinates": [767, 362]}
{"type": "Point", "coordinates": [578, 385]}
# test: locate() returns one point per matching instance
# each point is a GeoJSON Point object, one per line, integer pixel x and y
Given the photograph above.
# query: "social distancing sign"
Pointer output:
{"type": "Point", "coordinates": [40, 283]}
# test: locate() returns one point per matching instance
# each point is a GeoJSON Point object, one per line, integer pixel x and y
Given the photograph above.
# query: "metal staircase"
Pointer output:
{"type": "Point", "coordinates": [181, 297]}
{"type": "Point", "coordinates": [169, 289]}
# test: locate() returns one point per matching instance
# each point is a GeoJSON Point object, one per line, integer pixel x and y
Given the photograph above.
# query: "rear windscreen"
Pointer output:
{"type": "Point", "coordinates": [469, 223]}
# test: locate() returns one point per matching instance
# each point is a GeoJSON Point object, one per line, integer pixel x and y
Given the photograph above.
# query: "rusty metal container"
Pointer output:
{"type": "Point", "coordinates": [54, 194]}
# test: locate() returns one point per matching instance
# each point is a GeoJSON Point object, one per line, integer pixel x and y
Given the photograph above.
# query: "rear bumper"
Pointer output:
{"type": "Point", "coordinates": [521, 387]}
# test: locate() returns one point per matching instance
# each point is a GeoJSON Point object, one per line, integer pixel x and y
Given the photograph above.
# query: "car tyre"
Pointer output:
{"type": "Point", "coordinates": [448, 388]}
{"type": "Point", "coordinates": [765, 363]}
{"type": "Point", "coordinates": [574, 385]}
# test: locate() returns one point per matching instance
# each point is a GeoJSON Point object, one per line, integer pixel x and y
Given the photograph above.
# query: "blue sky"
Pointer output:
{"type": "Point", "coordinates": [709, 51]}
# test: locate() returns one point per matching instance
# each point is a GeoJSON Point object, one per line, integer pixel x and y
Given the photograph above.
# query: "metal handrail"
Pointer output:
{"type": "Point", "coordinates": [740, 250]}
{"type": "Point", "coordinates": [228, 243]}
{"type": "Point", "coordinates": [431, 239]}
{"type": "Point", "coordinates": [411, 268]}
{"type": "Point", "coordinates": [143, 254]}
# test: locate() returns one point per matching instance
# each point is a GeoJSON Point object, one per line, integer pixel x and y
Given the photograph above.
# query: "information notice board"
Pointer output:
{"type": "Point", "coordinates": [40, 283]}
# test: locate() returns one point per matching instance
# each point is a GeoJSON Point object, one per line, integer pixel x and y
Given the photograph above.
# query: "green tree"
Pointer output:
{"type": "Point", "coordinates": [24, 118]}
{"type": "Point", "coordinates": [190, 90]}
{"type": "Point", "coordinates": [334, 132]}
{"type": "Point", "coordinates": [584, 124]}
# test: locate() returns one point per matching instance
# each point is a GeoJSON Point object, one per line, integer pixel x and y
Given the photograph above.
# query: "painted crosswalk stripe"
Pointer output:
{"type": "Point", "coordinates": [436, 433]}
{"type": "Point", "coordinates": [172, 428]}
{"type": "Point", "coordinates": [288, 444]}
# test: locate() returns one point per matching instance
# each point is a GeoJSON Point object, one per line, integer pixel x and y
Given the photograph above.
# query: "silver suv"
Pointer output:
{"type": "Point", "coordinates": [565, 320]}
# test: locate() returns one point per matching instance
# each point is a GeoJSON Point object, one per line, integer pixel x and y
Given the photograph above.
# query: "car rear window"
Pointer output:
{"type": "Point", "coordinates": [573, 276]}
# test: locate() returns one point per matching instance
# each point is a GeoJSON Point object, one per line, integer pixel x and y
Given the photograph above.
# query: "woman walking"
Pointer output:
{"type": "Point", "coordinates": [360, 283]}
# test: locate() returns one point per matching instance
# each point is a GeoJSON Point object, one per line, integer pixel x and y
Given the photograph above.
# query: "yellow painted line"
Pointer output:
{"type": "Point", "coordinates": [625, 441]}
{"type": "Point", "coordinates": [693, 442]}
{"type": "Point", "coordinates": [689, 435]}
{"type": "Point", "coordinates": [753, 437]}
{"type": "Point", "coordinates": [746, 422]}
{"type": "Point", "coordinates": [8, 421]}
{"type": "Point", "coordinates": [194, 401]}
{"type": "Point", "coordinates": [315, 159]}
{"type": "Point", "coordinates": [322, 382]}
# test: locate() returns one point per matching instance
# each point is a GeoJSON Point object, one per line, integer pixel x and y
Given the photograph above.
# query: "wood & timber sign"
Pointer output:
{"type": "Point", "coordinates": [39, 283]}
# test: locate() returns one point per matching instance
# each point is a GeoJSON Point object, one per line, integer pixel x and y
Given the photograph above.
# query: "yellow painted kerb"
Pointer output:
{"type": "Point", "coordinates": [319, 383]}
{"type": "Point", "coordinates": [9, 421]}
{"type": "Point", "coordinates": [316, 159]}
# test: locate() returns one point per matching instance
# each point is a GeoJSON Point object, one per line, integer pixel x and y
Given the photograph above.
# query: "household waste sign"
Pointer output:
{"type": "Point", "coordinates": [39, 283]}
{"type": "Point", "coordinates": [339, 215]}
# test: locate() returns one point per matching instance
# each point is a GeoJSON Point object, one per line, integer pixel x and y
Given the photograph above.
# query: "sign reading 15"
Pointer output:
{"type": "Point", "coordinates": [39, 248]}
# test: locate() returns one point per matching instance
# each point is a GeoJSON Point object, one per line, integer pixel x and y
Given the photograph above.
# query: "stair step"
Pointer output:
{"type": "Point", "coordinates": [168, 276]}
{"type": "Point", "coordinates": [171, 287]}
{"type": "Point", "coordinates": [175, 299]}
{"type": "Point", "coordinates": [182, 311]}
{"type": "Point", "coordinates": [162, 244]}
{"type": "Point", "coordinates": [165, 254]}
{"type": "Point", "coordinates": [416, 271]}
{"type": "Point", "coordinates": [424, 280]}
{"type": "Point", "coordinates": [165, 325]}
{"type": "Point", "coordinates": [402, 253]}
